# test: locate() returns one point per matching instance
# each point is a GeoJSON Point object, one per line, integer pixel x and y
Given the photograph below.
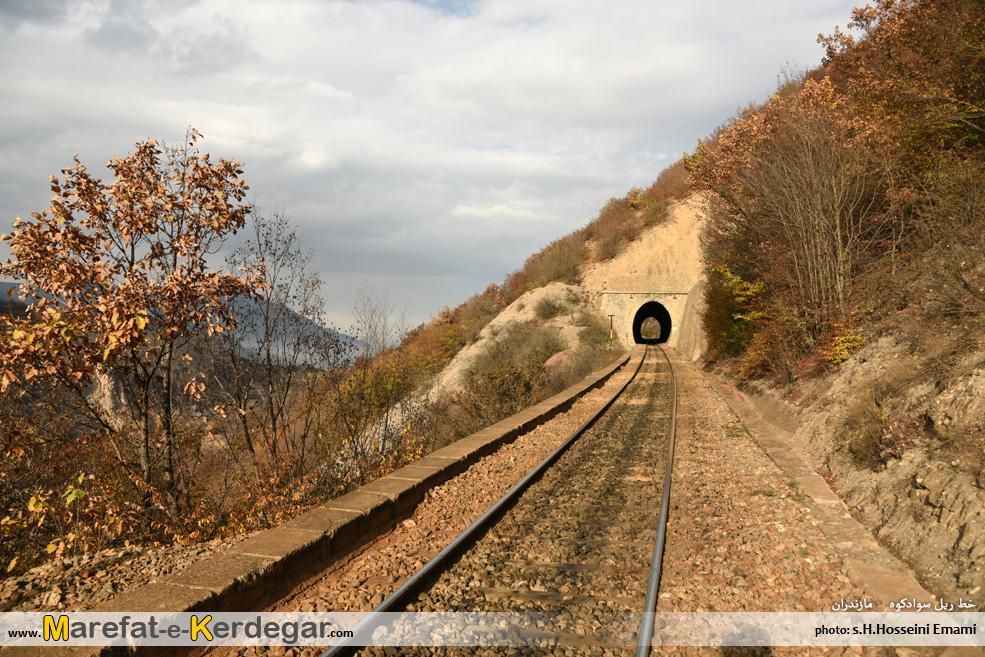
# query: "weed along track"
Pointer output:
{"type": "Point", "coordinates": [571, 547]}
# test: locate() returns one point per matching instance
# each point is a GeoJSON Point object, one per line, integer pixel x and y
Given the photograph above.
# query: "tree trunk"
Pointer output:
{"type": "Point", "coordinates": [167, 426]}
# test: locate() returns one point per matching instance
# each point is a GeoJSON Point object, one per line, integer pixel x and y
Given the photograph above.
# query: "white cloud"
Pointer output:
{"type": "Point", "coordinates": [442, 138]}
{"type": "Point", "coordinates": [494, 211]}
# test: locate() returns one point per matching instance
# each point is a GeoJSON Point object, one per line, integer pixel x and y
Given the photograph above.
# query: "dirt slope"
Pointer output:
{"type": "Point", "coordinates": [666, 257]}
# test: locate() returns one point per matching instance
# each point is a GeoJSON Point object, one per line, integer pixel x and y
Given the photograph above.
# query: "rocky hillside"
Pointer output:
{"type": "Point", "coordinates": [666, 257]}
{"type": "Point", "coordinates": [897, 429]}
{"type": "Point", "coordinates": [904, 449]}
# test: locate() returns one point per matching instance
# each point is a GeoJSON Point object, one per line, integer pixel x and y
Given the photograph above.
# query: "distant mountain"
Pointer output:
{"type": "Point", "coordinates": [5, 287]}
{"type": "Point", "coordinates": [248, 316]}
{"type": "Point", "coordinates": [10, 305]}
{"type": "Point", "coordinates": [249, 319]}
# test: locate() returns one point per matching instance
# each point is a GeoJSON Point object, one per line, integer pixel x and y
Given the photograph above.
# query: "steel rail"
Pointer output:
{"type": "Point", "coordinates": [650, 604]}
{"type": "Point", "coordinates": [398, 598]}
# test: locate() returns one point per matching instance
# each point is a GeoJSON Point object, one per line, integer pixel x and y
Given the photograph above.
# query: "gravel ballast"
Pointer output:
{"type": "Point", "coordinates": [368, 576]}
{"type": "Point", "coordinates": [741, 535]}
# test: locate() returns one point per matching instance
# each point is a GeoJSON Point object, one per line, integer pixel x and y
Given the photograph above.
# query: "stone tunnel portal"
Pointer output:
{"type": "Point", "coordinates": [657, 311]}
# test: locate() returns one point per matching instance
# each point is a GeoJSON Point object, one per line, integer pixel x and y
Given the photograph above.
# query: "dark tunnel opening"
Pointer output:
{"type": "Point", "coordinates": [657, 311]}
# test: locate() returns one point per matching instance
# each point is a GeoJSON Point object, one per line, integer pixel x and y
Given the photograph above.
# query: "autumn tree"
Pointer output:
{"type": "Point", "coordinates": [118, 281]}
{"type": "Point", "coordinates": [803, 199]}
{"type": "Point", "coordinates": [918, 67]}
{"type": "Point", "coordinates": [917, 70]}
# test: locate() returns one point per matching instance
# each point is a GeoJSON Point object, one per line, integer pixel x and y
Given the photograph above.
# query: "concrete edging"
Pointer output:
{"type": "Point", "coordinates": [264, 568]}
{"type": "Point", "coordinates": [866, 562]}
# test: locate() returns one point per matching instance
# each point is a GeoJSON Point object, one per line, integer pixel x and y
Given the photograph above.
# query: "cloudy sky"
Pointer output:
{"type": "Point", "coordinates": [426, 147]}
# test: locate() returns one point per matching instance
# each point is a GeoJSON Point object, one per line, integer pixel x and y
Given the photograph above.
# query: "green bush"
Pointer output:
{"type": "Point", "coordinates": [596, 331]}
{"type": "Point", "coordinates": [731, 309]}
{"type": "Point", "coordinates": [845, 341]}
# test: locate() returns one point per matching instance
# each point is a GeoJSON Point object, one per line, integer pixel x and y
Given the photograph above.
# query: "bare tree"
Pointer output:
{"type": "Point", "coordinates": [818, 198]}
{"type": "Point", "coordinates": [272, 366]}
{"type": "Point", "coordinates": [368, 394]}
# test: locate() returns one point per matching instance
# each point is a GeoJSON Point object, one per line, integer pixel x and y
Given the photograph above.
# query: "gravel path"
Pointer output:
{"type": "Point", "coordinates": [739, 537]}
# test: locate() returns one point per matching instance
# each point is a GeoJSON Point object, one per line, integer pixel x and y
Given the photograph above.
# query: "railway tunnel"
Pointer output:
{"type": "Point", "coordinates": [658, 312]}
{"type": "Point", "coordinates": [670, 310]}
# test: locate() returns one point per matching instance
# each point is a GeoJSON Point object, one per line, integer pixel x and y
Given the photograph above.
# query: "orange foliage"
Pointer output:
{"type": "Point", "coordinates": [119, 281]}
{"type": "Point", "coordinates": [918, 68]}
{"type": "Point", "coordinates": [834, 178]}
{"type": "Point", "coordinates": [673, 183]}
{"type": "Point", "coordinates": [61, 496]}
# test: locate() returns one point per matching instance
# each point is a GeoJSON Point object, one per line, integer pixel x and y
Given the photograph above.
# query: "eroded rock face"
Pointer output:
{"type": "Point", "coordinates": [930, 515]}
{"type": "Point", "coordinates": [961, 406]}
{"type": "Point", "coordinates": [903, 452]}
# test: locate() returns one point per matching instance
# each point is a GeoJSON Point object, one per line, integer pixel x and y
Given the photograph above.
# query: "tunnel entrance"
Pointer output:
{"type": "Point", "coordinates": [651, 310]}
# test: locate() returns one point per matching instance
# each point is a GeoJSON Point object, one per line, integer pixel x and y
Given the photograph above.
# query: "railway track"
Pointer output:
{"type": "Point", "coordinates": [577, 544]}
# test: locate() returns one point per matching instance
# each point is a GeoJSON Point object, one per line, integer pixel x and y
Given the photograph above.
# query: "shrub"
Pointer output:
{"type": "Point", "coordinates": [613, 229]}
{"type": "Point", "coordinates": [757, 356]}
{"type": "Point", "coordinates": [653, 213]}
{"type": "Point", "coordinates": [583, 363]}
{"type": "Point", "coordinates": [672, 183]}
{"type": "Point", "coordinates": [548, 308]}
{"type": "Point", "coordinates": [596, 331]}
{"type": "Point", "coordinates": [511, 377]}
{"type": "Point", "coordinates": [504, 380]}
{"type": "Point", "coordinates": [622, 220]}
{"type": "Point", "coordinates": [872, 440]}
{"type": "Point", "coordinates": [515, 285]}
{"type": "Point", "coordinates": [731, 307]}
{"type": "Point", "coordinates": [951, 216]}
{"type": "Point", "coordinates": [477, 312]}
{"type": "Point", "coordinates": [843, 344]}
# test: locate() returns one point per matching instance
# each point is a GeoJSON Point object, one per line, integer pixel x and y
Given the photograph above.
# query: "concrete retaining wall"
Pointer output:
{"type": "Point", "coordinates": [261, 570]}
